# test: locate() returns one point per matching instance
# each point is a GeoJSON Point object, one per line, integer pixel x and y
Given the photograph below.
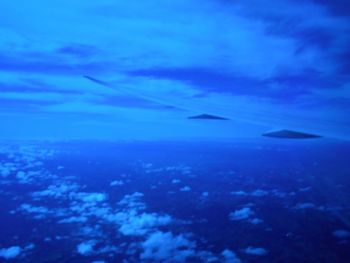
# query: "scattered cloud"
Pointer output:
{"type": "Point", "coordinates": [239, 193]}
{"type": "Point", "coordinates": [14, 252]}
{"type": "Point", "coordinates": [256, 221]}
{"type": "Point", "coordinates": [139, 225]}
{"type": "Point", "coordinates": [7, 168]}
{"type": "Point", "coordinates": [230, 256]}
{"type": "Point", "coordinates": [57, 190]}
{"type": "Point", "coordinates": [259, 193]}
{"type": "Point", "coordinates": [302, 206]}
{"type": "Point", "coordinates": [91, 197]}
{"type": "Point", "coordinates": [176, 169]}
{"type": "Point", "coordinates": [167, 247]}
{"type": "Point", "coordinates": [241, 214]}
{"type": "Point", "coordinates": [11, 252]}
{"type": "Point", "coordinates": [256, 193]}
{"type": "Point", "coordinates": [257, 251]}
{"type": "Point", "coordinates": [39, 212]}
{"type": "Point", "coordinates": [205, 194]}
{"type": "Point", "coordinates": [341, 233]}
{"type": "Point", "coordinates": [116, 183]}
{"type": "Point", "coordinates": [305, 189]}
{"type": "Point", "coordinates": [86, 248]}
{"type": "Point", "coordinates": [176, 181]}
{"type": "Point", "coordinates": [74, 219]}
{"type": "Point", "coordinates": [185, 189]}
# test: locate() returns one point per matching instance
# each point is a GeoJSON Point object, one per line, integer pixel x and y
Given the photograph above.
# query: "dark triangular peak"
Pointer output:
{"type": "Point", "coordinates": [289, 134]}
{"type": "Point", "coordinates": [207, 117]}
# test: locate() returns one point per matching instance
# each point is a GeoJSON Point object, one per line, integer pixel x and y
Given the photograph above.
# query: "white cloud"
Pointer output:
{"type": "Point", "coordinates": [341, 233]}
{"type": "Point", "coordinates": [305, 206]}
{"type": "Point", "coordinates": [108, 250]}
{"type": "Point", "coordinates": [40, 211]}
{"type": "Point", "coordinates": [26, 177]}
{"type": "Point", "coordinates": [230, 257]}
{"type": "Point", "coordinates": [7, 168]}
{"type": "Point", "coordinates": [241, 193]}
{"type": "Point", "coordinates": [241, 214]}
{"type": "Point", "coordinates": [166, 247]}
{"type": "Point", "coordinates": [133, 201]}
{"type": "Point", "coordinates": [259, 193]}
{"type": "Point", "coordinates": [256, 221]}
{"type": "Point", "coordinates": [278, 193]}
{"type": "Point", "coordinates": [305, 189]}
{"type": "Point", "coordinates": [147, 36]}
{"type": "Point", "coordinates": [63, 189]}
{"type": "Point", "coordinates": [205, 194]}
{"type": "Point", "coordinates": [258, 251]}
{"type": "Point", "coordinates": [73, 219]}
{"type": "Point", "coordinates": [185, 189]}
{"type": "Point", "coordinates": [181, 168]}
{"type": "Point", "coordinates": [138, 225]}
{"type": "Point", "coordinates": [176, 181]}
{"type": "Point", "coordinates": [86, 248]}
{"type": "Point", "coordinates": [10, 253]}
{"type": "Point", "coordinates": [129, 217]}
{"type": "Point", "coordinates": [255, 193]}
{"type": "Point", "coordinates": [91, 197]}
{"type": "Point", "coordinates": [116, 183]}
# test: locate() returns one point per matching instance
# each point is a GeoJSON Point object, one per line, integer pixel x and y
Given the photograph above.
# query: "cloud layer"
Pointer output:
{"type": "Point", "coordinates": [283, 56]}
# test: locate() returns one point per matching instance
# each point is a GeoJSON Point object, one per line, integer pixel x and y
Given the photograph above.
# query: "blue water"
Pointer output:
{"type": "Point", "coordinates": [243, 201]}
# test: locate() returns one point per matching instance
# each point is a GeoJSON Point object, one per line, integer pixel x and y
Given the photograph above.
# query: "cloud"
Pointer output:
{"type": "Point", "coordinates": [133, 201]}
{"type": "Point", "coordinates": [91, 197]}
{"type": "Point", "coordinates": [241, 193]}
{"type": "Point", "coordinates": [46, 63]}
{"type": "Point", "coordinates": [341, 233]}
{"type": "Point", "coordinates": [78, 50]}
{"type": "Point", "coordinates": [256, 221]}
{"type": "Point", "coordinates": [181, 169]}
{"type": "Point", "coordinates": [86, 248]}
{"type": "Point", "coordinates": [185, 189]}
{"type": "Point", "coordinates": [305, 189]}
{"type": "Point", "coordinates": [205, 194]}
{"type": "Point", "coordinates": [13, 252]}
{"type": "Point", "coordinates": [302, 206]}
{"type": "Point", "coordinates": [73, 219]}
{"type": "Point", "coordinates": [259, 193]}
{"type": "Point", "coordinates": [336, 8]}
{"type": "Point", "coordinates": [230, 256]}
{"type": "Point", "coordinates": [10, 253]}
{"type": "Point", "coordinates": [255, 193]}
{"type": "Point", "coordinates": [138, 225]}
{"type": "Point", "coordinates": [39, 212]}
{"type": "Point", "coordinates": [269, 55]}
{"type": "Point", "coordinates": [257, 251]}
{"type": "Point", "coordinates": [27, 177]}
{"type": "Point", "coordinates": [241, 214]}
{"type": "Point", "coordinates": [116, 183]}
{"type": "Point", "coordinates": [7, 168]}
{"type": "Point", "coordinates": [62, 190]}
{"type": "Point", "coordinates": [130, 219]}
{"type": "Point", "coordinates": [167, 247]}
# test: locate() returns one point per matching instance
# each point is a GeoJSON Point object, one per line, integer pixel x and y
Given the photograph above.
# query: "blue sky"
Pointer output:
{"type": "Point", "coordinates": [272, 64]}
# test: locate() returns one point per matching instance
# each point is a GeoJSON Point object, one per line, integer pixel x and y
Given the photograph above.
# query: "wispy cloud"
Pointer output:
{"type": "Point", "coordinates": [286, 54]}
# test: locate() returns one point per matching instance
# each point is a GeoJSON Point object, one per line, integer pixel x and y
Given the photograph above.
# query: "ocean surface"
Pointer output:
{"type": "Point", "coordinates": [241, 201]}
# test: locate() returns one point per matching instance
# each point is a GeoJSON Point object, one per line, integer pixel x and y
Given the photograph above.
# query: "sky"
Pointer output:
{"type": "Point", "coordinates": [264, 65]}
